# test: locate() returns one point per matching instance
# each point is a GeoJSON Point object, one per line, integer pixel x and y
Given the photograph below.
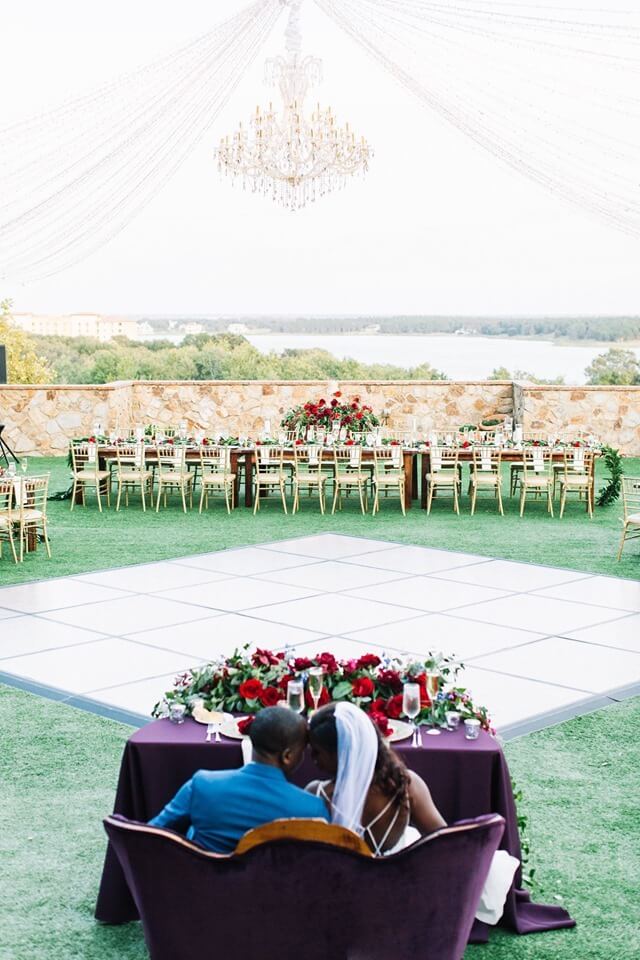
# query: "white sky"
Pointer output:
{"type": "Point", "coordinates": [437, 226]}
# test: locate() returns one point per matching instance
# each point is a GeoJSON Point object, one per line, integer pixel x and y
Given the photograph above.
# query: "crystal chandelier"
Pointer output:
{"type": "Point", "coordinates": [289, 155]}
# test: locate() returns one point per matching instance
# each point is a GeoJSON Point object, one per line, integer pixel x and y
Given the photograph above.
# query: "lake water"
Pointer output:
{"type": "Point", "coordinates": [460, 358]}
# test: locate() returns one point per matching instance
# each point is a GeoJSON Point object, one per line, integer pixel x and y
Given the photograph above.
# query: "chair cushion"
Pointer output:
{"type": "Point", "coordinates": [88, 476]}
{"type": "Point", "coordinates": [634, 518]}
{"type": "Point", "coordinates": [32, 515]}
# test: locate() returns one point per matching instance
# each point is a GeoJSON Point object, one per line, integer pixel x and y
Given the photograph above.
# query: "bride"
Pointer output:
{"type": "Point", "coordinates": [372, 792]}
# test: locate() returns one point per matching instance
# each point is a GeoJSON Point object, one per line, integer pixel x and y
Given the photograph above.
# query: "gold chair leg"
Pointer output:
{"type": "Point", "coordinates": [98, 496]}
{"type": "Point", "coordinates": [184, 502]}
{"type": "Point", "coordinates": [523, 494]}
{"type": "Point", "coordinates": [563, 500]}
{"type": "Point", "coordinates": [73, 494]}
{"type": "Point", "coordinates": [474, 494]}
{"type": "Point", "coordinates": [622, 542]}
{"type": "Point", "coordinates": [549, 501]}
{"type": "Point", "coordinates": [499, 493]}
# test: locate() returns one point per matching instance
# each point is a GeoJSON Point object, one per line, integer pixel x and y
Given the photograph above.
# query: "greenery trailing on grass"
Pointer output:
{"type": "Point", "coordinates": [610, 492]}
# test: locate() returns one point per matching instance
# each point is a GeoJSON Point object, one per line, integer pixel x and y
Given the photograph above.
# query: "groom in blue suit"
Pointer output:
{"type": "Point", "coordinates": [217, 807]}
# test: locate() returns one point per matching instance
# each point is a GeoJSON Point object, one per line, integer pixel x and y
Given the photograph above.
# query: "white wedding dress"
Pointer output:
{"type": "Point", "coordinates": [357, 755]}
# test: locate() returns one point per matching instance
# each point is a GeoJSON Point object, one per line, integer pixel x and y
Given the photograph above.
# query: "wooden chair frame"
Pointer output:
{"type": "Point", "coordinates": [388, 474]}
{"type": "Point", "coordinates": [308, 474]}
{"type": "Point", "coordinates": [486, 474]}
{"type": "Point", "coordinates": [8, 518]}
{"type": "Point", "coordinates": [444, 474]}
{"type": "Point", "coordinates": [631, 507]}
{"type": "Point", "coordinates": [536, 479]}
{"type": "Point", "coordinates": [32, 512]}
{"type": "Point", "coordinates": [349, 475]}
{"type": "Point", "coordinates": [269, 473]}
{"type": "Point", "coordinates": [173, 474]}
{"type": "Point", "coordinates": [576, 477]}
{"type": "Point", "coordinates": [131, 472]}
{"type": "Point", "coordinates": [216, 475]}
{"type": "Point", "coordinates": [86, 472]}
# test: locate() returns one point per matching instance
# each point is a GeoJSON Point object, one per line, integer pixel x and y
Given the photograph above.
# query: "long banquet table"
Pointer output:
{"type": "Point", "coordinates": [247, 457]}
{"type": "Point", "coordinates": [509, 455]}
{"type": "Point", "coordinates": [466, 778]}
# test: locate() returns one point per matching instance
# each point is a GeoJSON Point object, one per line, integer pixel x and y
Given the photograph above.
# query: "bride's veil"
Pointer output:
{"type": "Point", "coordinates": [357, 755]}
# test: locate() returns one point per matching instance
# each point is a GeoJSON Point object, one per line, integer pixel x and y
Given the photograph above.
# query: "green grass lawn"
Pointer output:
{"type": "Point", "coordinates": [58, 771]}
{"type": "Point", "coordinates": [87, 540]}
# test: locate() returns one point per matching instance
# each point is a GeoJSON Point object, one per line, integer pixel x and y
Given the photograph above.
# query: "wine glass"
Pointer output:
{"type": "Point", "coordinates": [433, 686]}
{"type": "Point", "coordinates": [411, 706]}
{"type": "Point", "coordinates": [316, 682]}
{"type": "Point", "coordinates": [295, 695]}
{"type": "Point", "coordinates": [24, 463]}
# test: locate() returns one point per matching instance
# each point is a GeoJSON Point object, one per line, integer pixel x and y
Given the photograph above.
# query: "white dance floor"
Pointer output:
{"type": "Point", "coordinates": [538, 643]}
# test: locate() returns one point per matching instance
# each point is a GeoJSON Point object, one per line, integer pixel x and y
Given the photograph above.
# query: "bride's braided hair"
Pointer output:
{"type": "Point", "coordinates": [390, 774]}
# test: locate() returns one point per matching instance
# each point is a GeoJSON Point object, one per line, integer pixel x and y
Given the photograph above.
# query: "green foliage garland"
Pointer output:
{"type": "Point", "coordinates": [611, 490]}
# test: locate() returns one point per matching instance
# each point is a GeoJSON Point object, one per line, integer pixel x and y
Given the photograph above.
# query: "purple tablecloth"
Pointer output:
{"type": "Point", "coordinates": [466, 779]}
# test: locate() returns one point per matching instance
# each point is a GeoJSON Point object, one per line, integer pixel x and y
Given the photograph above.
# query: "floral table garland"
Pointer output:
{"type": "Point", "coordinates": [246, 682]}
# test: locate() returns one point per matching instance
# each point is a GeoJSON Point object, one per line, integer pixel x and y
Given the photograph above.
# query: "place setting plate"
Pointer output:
{"type": "Point", "coordinates": [400, 730]}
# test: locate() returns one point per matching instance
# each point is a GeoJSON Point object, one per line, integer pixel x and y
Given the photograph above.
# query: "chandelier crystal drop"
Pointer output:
{"type": "Point", "coordinates": [291, 155]}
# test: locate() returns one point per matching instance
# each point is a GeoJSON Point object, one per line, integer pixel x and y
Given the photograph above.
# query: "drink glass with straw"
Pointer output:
{"type": "Point", "coordinates": [433, 686]}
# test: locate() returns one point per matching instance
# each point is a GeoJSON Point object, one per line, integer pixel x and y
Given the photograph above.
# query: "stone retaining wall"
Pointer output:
{"type": "Point", "coordinates": [40, 420]}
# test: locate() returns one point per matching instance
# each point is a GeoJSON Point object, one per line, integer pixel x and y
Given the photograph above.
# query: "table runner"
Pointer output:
{"type": "Point", "coordinates": [466, 779]}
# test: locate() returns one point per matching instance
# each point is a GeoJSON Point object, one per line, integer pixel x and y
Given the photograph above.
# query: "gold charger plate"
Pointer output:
{"type": "Point", "coordinates": [200, 715]}
{"type": "Point", "coordinates": [400, 730]}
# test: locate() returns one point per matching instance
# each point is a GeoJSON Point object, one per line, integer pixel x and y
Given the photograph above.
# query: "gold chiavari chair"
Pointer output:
{"type": "Point", "coordinates": [444, 475]}
{"type": "Point", "coordinates": [216, 475]}
{"type": "Point", "coordinates": [8, 518]}
{"type": "Point", "coordinates": [269, 473]}
{"type": "Point", "coordinates": [486, 474]}
{"type": "Point", "coordinates": [388, 475]}
{"type": "Point", "coordinates": [348, 474]}
{"type": "Point", "coordinates": [132, 472]}
{"type": "Point", "coordinates": [631, 506]}
{"type": "Point", "coordinates": [536, 476]}
{"type": "Point", "coordinates": [87, 473]}
{"type": "Point", "coordinates": [577, 477]}
{"type": "Point", "coordinates": [32, 511]}
{"type": "Point", "coordinates": [308, 474]}
{"type": "Point", "coordinates": [173, 474]}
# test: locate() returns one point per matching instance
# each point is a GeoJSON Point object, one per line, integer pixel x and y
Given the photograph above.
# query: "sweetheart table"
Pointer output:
{"type": "Point", "coordinates": [466, 778]}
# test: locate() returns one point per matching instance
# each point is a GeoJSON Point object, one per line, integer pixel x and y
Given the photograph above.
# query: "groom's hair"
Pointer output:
{"type": "Point", "coordinates": [276, 729]}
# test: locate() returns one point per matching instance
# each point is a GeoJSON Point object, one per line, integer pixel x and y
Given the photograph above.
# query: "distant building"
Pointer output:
{"type": "Point", "coordinates": [76, 325]}
{"type": "Point", "coordinates": [239, 328]}
{"type": "Point", "coordinates": [191, 327]}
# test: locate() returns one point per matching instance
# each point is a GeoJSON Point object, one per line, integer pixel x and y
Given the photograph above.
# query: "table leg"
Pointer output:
{"type": "Point", "coordinates": [414, 476]}
{"type": "Point", "coordinates": [408, 480]}
{"type": "Point", "coordinates": [249, 460]}
{"type": "Point", "coordinates": [425, 469]}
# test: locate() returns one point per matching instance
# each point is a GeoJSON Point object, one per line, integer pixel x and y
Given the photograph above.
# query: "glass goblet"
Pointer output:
{"type": "Point", "coordinates": [316, 682]}
{"type": "Point", "coordinates": [411, 707]}
{"type": "Point", "coordinates": [433, 686]}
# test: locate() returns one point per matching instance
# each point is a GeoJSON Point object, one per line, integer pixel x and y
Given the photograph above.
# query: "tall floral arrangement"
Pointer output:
{"type": "Point", "coordinates": [246, 682]}
{"type": "Point", "coordinates": [349, 413]}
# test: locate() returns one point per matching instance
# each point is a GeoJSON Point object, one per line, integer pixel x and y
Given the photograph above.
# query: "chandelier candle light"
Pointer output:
{"type": "Point", "coordinates": [291, 156]}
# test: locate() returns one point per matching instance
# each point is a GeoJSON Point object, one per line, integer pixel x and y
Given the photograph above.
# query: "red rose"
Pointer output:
{"type": "Point", "coordinates": [378, 706]}
{"type": "Point", "coordinates": [354, 406]}
{"type": "Point", "coordinates": [356, 399]}
{"type": "Point", "coordinates": [334, 403]}
{"type": "Point", "coordinates": [395, 443]}
{"type": "Point", "coordinates": [324, 698]}
{"type": "Point", "coordinates": [205, 442]}
{"type": "Point", "coordinates": [358, 416]}
{"type": "Point", "coordinates": [381, 723]}
{"type": "Point", "coordinates": [91, 440]}
{"type": "Point", "coordinates": [425, 699]}
{"type": "Point", "coordinates": [368, 660]}
{"type": "Point", "coordinates": [245, 725]}
{"type": "Point", "coordinates": [394, 706]}
{"type": "Point", "coordinates": [298, 442]}
{"type": "Point", "coordinates": [321, 403]}
{"type": "Point", "coordinates": [362, 687]}
{"type": "Point", "coordinates": [264, 658]}
{"type": "Point", "coordinates": [283, 683]}
{"type": "Point", "coordinates": [302, 663]}
{"type": "Point", "coordinates": [348, 443]}
{"type": "Point", "coordinates": [328, 661]}
{"type": "Point", "coordinates": [250, 689]}
{"type": "Point", "coordinates": [391, 678]}
{"type": "Point", "coordinates": [270, 696]}
{"type": "Point", "coordinates": [338, 393]}
{"type": "Point", "coordinates": [466, 444]}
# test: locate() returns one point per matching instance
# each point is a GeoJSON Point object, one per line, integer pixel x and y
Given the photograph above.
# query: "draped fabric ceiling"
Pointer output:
{"type": "Point", "coordinates": [551, 90]}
